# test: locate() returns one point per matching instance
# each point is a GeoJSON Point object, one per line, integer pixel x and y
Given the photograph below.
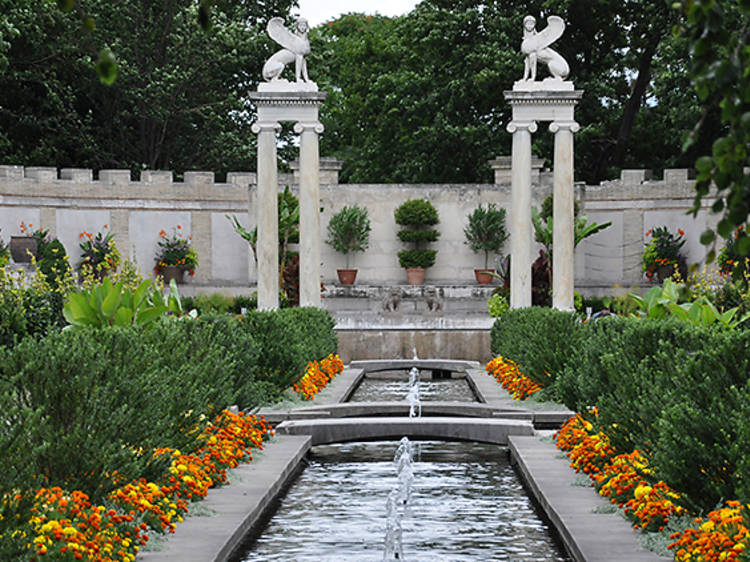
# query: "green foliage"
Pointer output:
{"type": "Point", "coordinates": [33, 309]}
{"type": "Point", "coordinates": [660, 302]}
{"type": "Point", "coordinates": [209, 304]}
{"type": "Point", "coordinates": [53, 262]}
{"type": "Point", "coordinates": [542, 356]}
{"type": "Point", "coordinates": [289, 339]}
{"type": "Point", "coordinates": [417, 258]}
{"type": "Point", "coordinates": [718, 35]}
{"type": "Point", "coordinates": [4, 253]}
{"type": "Point", "coordinates": [497, 305]}
{"type": "Point", "coordinates": [175, 250]}
{"type": "Point", "coordinates": [95, 401]}
{"type": "Point", "coordinates": [663, 250]}
{"type": "Point", "coordinates": [731, 262]}
{"type": "Point", "coordinates": [349, 231]}
{"type": "Point", "coordinates": [99, 254]}
{"type": "Point", "coordinates": [418, 236]}
{"type": "Point", "coordinates": [416, 212]}
{"type": "Point", "coordinates": [486, 230]}
{"type": "Point", "coordinates": [111, 304]}
{"type": "Point", "coordinates": [418, 98]}
{"type": "Point", "coordinates": [178, 101]}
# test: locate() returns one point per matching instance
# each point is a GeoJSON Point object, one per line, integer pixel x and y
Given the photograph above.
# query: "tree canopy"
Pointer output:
{"type": "Point", "coordinates": [419, 98]}
{"type": "Point", "coordinates": [179, 100]}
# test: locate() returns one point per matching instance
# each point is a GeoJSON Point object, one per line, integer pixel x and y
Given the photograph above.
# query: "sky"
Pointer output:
{"type": "Point", "coordinates": [319, 11]}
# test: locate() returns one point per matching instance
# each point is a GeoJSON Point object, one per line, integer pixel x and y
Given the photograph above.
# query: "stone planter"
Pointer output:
{"type": "Point", "coordinates": [169, 272]}
{"type": "Point", "coordinates": [21, 247]}
{"type": "Point", "coordinates": [346, 276]}
{"type": "Point", "coordinates": [415, 275]}
{"type": "Point", "coordinates": [483, 276]}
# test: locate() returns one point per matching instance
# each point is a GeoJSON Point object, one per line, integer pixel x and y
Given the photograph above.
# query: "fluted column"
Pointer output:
{"type": "Point", "coordinates": [563, 234]}
{"type": "Point", "coordinates": [309, 219]}
{"type": "Point", "coordinates": [520, 214]}
{"type": "Point", "coordinates": [267, 216]}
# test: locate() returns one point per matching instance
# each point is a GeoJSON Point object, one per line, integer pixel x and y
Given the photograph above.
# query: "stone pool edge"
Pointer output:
{"type": "Point", "coordinates": [238, 508]}
{"type": "Point", "coordinates": [587, 536]}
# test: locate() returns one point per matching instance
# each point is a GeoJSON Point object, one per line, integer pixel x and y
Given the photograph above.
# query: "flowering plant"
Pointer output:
{"type": "Point", "coordinates": [99, 253]}
{"type": "Point", "coordinates": [176, 250]}
{"type": "Point", "coordinates": [663, 250]}
{"type": "Point", "coordinates": [4, 253]}
{"type": "Point", "coordinates": [731, 261]}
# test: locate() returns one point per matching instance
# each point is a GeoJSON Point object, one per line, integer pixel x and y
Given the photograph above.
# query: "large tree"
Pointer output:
{"type": "Point", "coordinates": [419, 97]}
{"type": "Point", "coordinates": [179, 101]}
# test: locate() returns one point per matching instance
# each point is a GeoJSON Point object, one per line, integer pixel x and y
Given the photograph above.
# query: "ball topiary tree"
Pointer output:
{"type": "Point", "coordinates": [417, 215]}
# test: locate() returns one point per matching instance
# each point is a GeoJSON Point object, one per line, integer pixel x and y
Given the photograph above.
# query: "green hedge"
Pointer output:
{"type": "Point", "coordinates": [79, 404]}
{"type": "Point", "coordinates": [679, 392]}
{"type": "Point", "coordinates": [556, 335]}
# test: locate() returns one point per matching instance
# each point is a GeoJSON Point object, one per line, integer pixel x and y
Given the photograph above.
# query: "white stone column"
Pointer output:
{"type": "Point", "coordinates": [309, 207]}
{"type": "Point", "coordinates": [520, 214]}
{"type": "Point", "coordinates": [268, 216]}
{"type": "Point", "coordinates": [563, 236]}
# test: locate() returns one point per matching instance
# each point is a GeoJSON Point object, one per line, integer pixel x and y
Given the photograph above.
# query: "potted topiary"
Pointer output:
{"type": "Point", "coordinates": [485, 232]}
{"type": "Point", "coordinates": [348, 232]}
{"type": "Point", "coordinates": [416, 215]}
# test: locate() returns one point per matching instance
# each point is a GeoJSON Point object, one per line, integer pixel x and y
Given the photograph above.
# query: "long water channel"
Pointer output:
{"type": "Point", "coordinates": [467, 503]}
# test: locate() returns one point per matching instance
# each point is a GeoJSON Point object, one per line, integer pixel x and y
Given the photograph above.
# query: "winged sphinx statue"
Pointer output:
{"type": "Point", "coordinates": [535, 46]}
{"type": "Point", "coordinates": [295, 45]}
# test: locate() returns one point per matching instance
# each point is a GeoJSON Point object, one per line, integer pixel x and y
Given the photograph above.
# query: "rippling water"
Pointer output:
{"type": "Point", "coordinates": [467, 505]}
{"type": "Point", "coordinates": [386, 390]}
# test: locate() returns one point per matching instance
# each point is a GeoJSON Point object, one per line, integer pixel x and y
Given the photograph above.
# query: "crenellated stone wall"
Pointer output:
{"type": "Point", "coordinates": [70, 201]}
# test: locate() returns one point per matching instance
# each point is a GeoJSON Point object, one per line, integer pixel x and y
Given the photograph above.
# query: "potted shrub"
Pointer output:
{"type": "Point", "coordinates": [99, 255]}
{"type": "Point", "coordinates": [485, 233]}
{"type": "Point", "coordinates": [24, 246]}
{"type": "Point", "coordinates": [4, 253]}
{"type": "Point", "coordinates": [417, 215]}
{"type": "Point", "coordinates": [349, 232]}
{"type": "Point", "coordinates": [175, 256]}
{"type": "Point", "coordinates": [662, 254]}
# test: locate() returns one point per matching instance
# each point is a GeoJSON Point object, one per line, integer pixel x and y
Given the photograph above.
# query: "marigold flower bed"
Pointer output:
{"type": "Point", "coordinates": [511, 378]}
{"type": "Point", "coordinates": [627, 480]}
{"type": "Point", "coordinates": [67, 526]}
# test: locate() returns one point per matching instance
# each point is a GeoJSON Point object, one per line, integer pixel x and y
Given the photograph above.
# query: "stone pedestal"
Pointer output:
{"type": "Point", "coordinates": [298, 105]}
{"type": "Point", "coordinates": [531, 104]}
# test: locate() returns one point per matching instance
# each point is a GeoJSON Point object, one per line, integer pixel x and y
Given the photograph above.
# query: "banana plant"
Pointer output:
{"type": "Point", "coordinates": [109, 304]}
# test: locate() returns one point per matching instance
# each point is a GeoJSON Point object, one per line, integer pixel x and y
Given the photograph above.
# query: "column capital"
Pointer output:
{"type": "Point", "coordinates": [301, 126]}
{"type": "Point", "coordinates": [514, 126]}
{"type": "Point", "coordinates": [264, 126]}
{"type": "Point", "coordinates": [571, 126]}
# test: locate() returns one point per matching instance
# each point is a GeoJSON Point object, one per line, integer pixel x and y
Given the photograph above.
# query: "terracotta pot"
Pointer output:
{"type": "Point", "coordinates": [483, 276]}
{"type": "Point", "coordinates": [415, 275]}
{"type": "Point", "coordinates": [169, 272]}
{"type": "Point", "coordinates": [21, 246]}
{"type": "Point", "coordinates": [346, 276]}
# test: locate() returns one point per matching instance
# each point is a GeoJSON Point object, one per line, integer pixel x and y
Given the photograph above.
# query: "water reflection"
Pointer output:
{"type": "Point", "coordinates": [466, 505]}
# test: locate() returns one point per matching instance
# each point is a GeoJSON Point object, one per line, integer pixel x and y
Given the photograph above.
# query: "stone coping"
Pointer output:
{"type": "Point", "coordinates": [341, 430]}
{"type": "Point", "coordinates": [453, 365]}
{"type": "Point", "coordinates": [587, 535]}
{"type": "Point", "coordinates": [237, 509]}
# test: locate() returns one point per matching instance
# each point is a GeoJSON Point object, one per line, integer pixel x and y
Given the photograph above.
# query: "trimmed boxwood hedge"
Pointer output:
{"type": "Point", "coordinates": [678, 392]}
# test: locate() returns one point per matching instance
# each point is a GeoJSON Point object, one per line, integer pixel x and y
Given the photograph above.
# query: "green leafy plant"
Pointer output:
{"type": "Point", "coordinates": [417, 215]}
{"type": "Point", "coordinates": [99, 254]}
{"type": "Point", "coordinates": [109, 304]}
{"type": "Point", "coordinates": [497, 305]}
{"type": "Point", "coordinates": [485, 231]}
{"type": "Point", "coordinates": [4, 253]}
{"type": "Point", "coordinates": [349, 231]}
{"type": "Point", "coordinates": [176, 250]}
{"type": "Point", "coordinates": [731, 262]}
{"type": "Point", "coordinates": [663, 250]}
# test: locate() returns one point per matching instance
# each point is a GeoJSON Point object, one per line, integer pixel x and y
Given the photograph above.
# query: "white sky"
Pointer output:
{"type": "Point", "coordinates": [319, 11]}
